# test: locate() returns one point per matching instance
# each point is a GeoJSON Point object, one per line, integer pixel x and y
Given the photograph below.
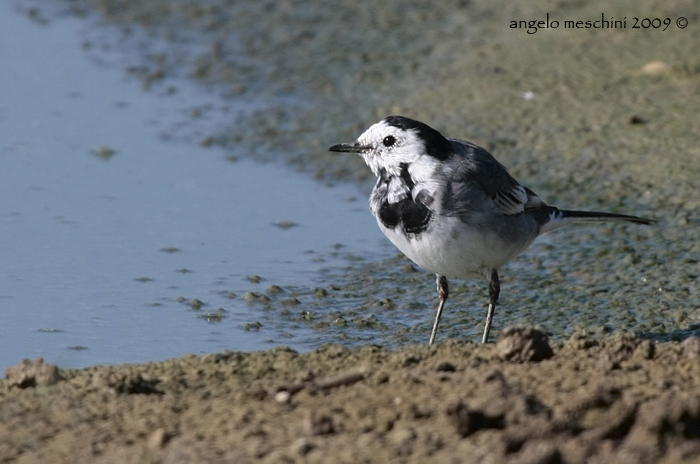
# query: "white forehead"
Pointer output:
{"type": "Point", "coordinates": [379, 131]}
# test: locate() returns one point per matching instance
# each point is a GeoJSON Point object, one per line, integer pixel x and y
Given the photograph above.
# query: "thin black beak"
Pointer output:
{"type": "Point", "coordinates": [354, 147]}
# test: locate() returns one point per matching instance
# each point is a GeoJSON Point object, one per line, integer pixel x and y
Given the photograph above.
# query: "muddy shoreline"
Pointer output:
{"type": "Point", "coordinates": [588, 119]}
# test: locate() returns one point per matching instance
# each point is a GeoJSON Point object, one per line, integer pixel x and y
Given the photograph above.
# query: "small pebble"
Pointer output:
{"type": "Point", "coordinates": [274, 289]}
{"type": "Point", "coordinates": [285, 225]}
{"type": "Point", "coordinates": [408, 268]}
{"type": "Point", "coordinates": [283, 397]}
{"type": "Point", "coordinates": [158, 439]}
{"type": "Point", "coordinates": [104, 152]}
{"type": "Point", "coordinates": [302, 446]}
{"type": "Point", "coordinates": [320, 292]}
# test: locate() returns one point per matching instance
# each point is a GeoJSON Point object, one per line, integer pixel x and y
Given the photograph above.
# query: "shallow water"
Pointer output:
{"type": "Point", "coordinates": [106, 220]}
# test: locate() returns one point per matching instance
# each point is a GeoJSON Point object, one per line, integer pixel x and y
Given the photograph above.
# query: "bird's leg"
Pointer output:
{"type": "Point", "coordinates": [443, 293]}
{"type": "Point", "coordinates": [494, 291]}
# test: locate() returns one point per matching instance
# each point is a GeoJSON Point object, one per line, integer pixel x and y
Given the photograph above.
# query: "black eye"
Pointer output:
{"type": "Point", "coordinates": [389, 140]}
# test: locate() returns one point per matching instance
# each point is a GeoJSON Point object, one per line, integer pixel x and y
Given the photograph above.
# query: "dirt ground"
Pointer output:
{"type": "Point", "coordinates": [621, 399]}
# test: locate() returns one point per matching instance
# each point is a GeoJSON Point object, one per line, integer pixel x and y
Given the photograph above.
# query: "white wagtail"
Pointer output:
{"type": "Point", "coordinates": [451, 207]}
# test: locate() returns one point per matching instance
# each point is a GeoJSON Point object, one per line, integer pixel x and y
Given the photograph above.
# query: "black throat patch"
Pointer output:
{"type": "Point", "coordinates": [411, 213]}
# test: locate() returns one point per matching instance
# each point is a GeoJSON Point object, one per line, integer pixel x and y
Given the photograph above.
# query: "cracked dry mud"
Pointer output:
{"type": "Point", "coordinates": [522, 400]}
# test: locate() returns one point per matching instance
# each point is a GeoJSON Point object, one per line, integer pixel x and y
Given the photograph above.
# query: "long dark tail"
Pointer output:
{"type": "Point", "coordinates": [595, 216]}
{"type": "Point", "coordinates": [560, 217]}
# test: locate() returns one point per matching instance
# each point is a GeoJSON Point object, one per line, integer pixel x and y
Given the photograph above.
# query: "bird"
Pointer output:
{"type": "Point", "coordinates": [452, 208]}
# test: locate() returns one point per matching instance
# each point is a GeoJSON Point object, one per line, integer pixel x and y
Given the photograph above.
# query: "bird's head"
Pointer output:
{"type": "Point", "coordinates": [398, 140]}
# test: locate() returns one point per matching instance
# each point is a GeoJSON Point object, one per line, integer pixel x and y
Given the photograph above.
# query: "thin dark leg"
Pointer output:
{"type": "Point", "coordinates": [443, 293]}
{"type": "Point", "coordinates": [494, 291]}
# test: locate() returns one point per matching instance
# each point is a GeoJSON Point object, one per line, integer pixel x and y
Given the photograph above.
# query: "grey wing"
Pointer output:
{"type": "Point", "coordinates": [479, 182]}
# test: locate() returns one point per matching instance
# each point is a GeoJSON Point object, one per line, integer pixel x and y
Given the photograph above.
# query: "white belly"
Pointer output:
{"type": "Point", "coordinates": [453, 250]}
